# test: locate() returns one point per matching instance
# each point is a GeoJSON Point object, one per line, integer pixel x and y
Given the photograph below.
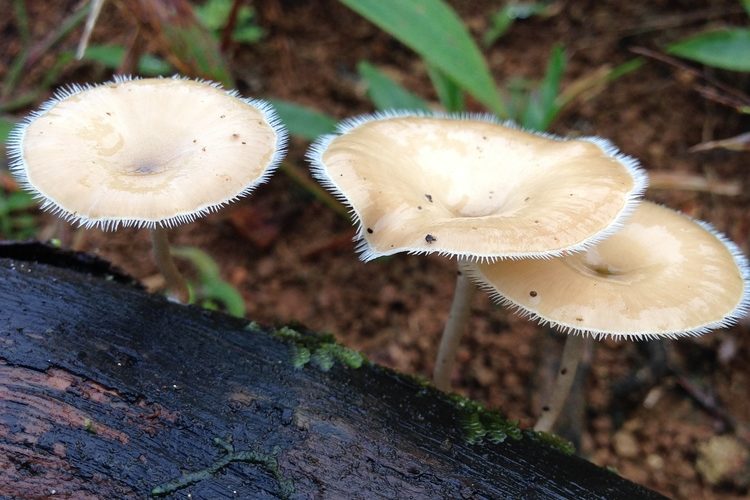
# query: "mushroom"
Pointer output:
{"type": "Point", "coordinates": [470, 187]}
{"type": "Point", "coordinates": [662, 275]}
{"type": "Point", "coordinates": [145, 153]}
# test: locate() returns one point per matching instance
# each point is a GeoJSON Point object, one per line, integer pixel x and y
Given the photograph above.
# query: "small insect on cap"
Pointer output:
{"type": "Point", "coordinates": [151, 152]}
{"type": "Point", "coordinates": [662, 275]}
{"type": "Point", "coordinates": [470, 187]}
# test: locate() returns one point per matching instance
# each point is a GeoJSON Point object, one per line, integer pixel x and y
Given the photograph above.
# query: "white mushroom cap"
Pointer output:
{"type": "Point", "coordinates": [145, 153]}
{"type": "Point", "coordinates": [471, 187]}
{"type": "Point", "coordinates": [662, 275]}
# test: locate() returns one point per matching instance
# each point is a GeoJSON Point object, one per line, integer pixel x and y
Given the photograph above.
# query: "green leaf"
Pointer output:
{"type": "Point", "coordinates": [214, 15]}
{"type": "Point", "coordinates": [303, 121]}
{"type": "Point", "coordinates": [206, 266]}
{"type": "Point", "coordinates": [212, 288]}
{"type": "Point", "coordinates": [725, 49]}
{"type": "Point", "coordinates": [227, 295]}
{"type": "Point", "coordinates": [150, 65]}
{"type": "Point", "coordinates": [247, 34]}
{"type": "Point", "coordinates": [111, 57]}
{"type": "Point", "coordinates": [20, 200]}
{"type": "Point", "coordinates": [450, 95]}
{"type": "Point", "coordinates": [746, 6]}
{"type": "Point", "coordinates": [433, 30]}
{"type": "Point", "coordinates": [542, 107]}
{"type": "Point", "coordinates": [6, 126]}
{"type": "Point", "coordinates": [385, 93]}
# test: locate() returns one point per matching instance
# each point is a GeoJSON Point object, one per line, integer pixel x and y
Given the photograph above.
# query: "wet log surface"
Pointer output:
{"type": "Point", "coordinates": [108, 392]}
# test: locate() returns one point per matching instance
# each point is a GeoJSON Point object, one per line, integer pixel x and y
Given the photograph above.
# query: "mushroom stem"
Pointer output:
{"type": "Point", "coordinates": [176, 283]}
{"type": "Point", "coordinates": [571, 356]}
{"type": "Point", "coordinates": [453, 330]}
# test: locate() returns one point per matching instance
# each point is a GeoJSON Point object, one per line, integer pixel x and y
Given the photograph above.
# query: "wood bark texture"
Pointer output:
{"type": "Point", "coordinates": [109, 392]}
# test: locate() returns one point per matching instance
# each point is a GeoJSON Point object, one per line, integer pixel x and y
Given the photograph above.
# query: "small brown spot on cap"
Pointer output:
{"type": "Point", "coordinates": [533, 293]}
{"type": "Point", "coordinates": [369, 230]}
{"type": "Point", "coordinates": [579, 319]}
{"type": "Point", "coordinates": [429, 197]}
{"type": "Point", "coordinates": [430, 238]}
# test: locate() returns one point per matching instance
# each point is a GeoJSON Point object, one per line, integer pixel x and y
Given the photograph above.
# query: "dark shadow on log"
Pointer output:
{"type": "Point", "coordinates": [107, 392]}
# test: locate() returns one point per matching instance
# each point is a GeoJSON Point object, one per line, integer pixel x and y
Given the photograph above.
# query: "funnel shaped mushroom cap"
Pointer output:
{"type": "Point", "coordinates": [470, 187]}
{"type": "Point", "coordinates": [662, 275]}
{"type": "Point", "coordinates": [151, 152]}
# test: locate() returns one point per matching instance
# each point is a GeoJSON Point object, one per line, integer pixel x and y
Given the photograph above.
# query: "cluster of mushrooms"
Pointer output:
{"type": "Point", "coordinates": [554, 228]}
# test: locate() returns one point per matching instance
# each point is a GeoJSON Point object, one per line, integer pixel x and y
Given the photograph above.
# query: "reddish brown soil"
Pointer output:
{"type": "Point", "coordinates": [292, 258]}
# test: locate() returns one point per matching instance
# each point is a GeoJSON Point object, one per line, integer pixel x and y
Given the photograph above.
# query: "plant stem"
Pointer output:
{"type": "Point", "coordinates": [176, 283]}
{"type": "Point", "coordinates": [454, 328]}
{"type": "Point", "coordinates": [571, 356]}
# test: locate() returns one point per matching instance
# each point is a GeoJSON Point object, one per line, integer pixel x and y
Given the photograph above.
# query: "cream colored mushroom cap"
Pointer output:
{"type": "Point", "coordinates": [471, 187]}
{"type": "Point", "coordinates": [151, 152]}
{"type": "Point", "coordinates": [661, 275]}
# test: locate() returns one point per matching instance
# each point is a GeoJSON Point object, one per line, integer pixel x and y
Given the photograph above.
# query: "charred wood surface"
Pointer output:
{"type": "Point", "coordinates": [108, 392]}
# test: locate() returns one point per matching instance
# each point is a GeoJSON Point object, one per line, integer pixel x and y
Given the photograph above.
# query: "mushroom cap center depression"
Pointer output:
{"type": "Point", "coordinates": [474, 183]}
{"type": "Point", "coordinates": [146, 149]}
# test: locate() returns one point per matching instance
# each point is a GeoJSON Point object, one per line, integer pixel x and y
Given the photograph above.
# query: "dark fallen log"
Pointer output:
{"type": "Point", "coordinates": [107, 392]}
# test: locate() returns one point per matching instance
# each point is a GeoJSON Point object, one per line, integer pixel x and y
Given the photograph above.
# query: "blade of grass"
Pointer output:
{"type": "Point", "coordinates": [385, 93]}
{"type": "Point", "coordinates": [211, 286]}
{"type": "Point", "coordinates": [724, 48]}
{"type": "Point", "coordinates": [541, 108]}
{"type": "Point", "coordinates": [433, 30]}
{"type": "Point", "coordinates": [449, 93]}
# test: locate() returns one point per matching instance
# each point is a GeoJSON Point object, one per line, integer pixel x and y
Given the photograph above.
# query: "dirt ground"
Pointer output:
{"type": "Point", "coordinates": [292, 258]}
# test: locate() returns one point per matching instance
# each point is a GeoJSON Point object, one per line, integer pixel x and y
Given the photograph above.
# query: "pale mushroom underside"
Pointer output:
{"type": "Point", "coordinates": [145, 152]}
{"type": "Point", "coordinates": [661, 275]}
{"type": "Point", "coordinates": [471, 187]}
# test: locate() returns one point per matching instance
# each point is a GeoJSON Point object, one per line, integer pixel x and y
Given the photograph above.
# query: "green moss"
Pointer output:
{"type": "Point", "coordinates": [550, 439]}
{"type": "Point", "coordinates": [322, 350]}
{"type": "Point", "coordinates": [323, 359]}
{"type": "Point", "coordinates": [253, 326]}
{"type": "Point", "coordinates": [300, 357]}
{"type": "Point", "coordinates": [88, 426]}
{"type": "Point", "coordinates": [480, 423]}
